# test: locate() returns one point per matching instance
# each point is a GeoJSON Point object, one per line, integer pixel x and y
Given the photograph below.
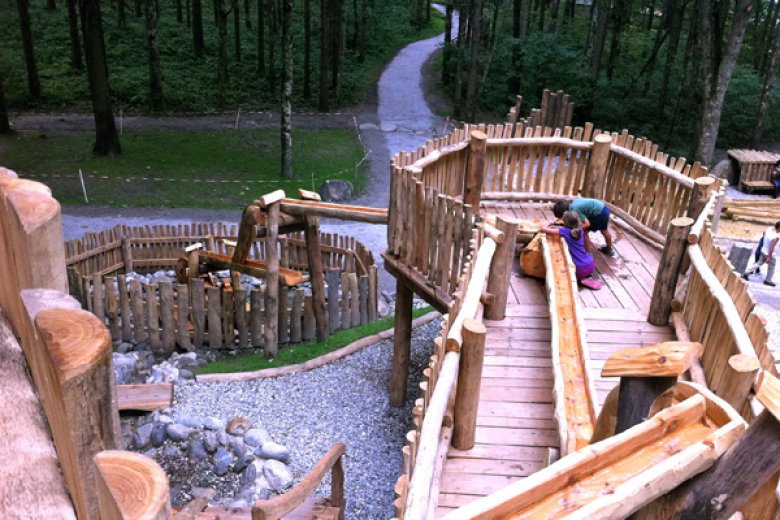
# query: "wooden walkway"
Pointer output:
{"type": "Point", "coordinates": [515, 425]}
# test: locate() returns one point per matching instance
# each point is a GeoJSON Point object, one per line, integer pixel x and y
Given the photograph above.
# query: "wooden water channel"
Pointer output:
{"type": "Point", "coordinates": [515, 425]}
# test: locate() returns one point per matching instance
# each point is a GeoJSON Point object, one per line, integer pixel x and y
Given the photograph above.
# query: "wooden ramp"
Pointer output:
{"type": "Point", "coordinates": [515, 426]}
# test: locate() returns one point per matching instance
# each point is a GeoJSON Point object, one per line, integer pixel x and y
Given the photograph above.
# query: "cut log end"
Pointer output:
{"type": "Point", "coordinates": [768, 392]}
{"type": "Point", "coordinates": [132, 486]}
{"type": "Point", "coordinates": [667, 359]}
{"type": "Point", "coordinates": [76, 339]}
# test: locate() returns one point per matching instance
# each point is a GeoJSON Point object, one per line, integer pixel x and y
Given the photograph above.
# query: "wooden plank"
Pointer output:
{"type": "Point", "coordinates": [144, 397]}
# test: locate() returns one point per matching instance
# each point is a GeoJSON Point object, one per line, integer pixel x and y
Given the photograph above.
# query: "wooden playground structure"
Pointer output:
{"type": "Point", "coordinates": [656, 396]}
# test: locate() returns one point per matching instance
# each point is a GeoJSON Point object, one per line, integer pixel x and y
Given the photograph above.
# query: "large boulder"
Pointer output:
{"type": "Point", "coordinates": [336, 190]}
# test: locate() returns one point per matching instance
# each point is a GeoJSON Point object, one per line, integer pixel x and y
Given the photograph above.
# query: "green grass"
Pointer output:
{"type": "Point", "coordinates": [249, 160]}
{"type": "Point", "coordinates": [304, 352]}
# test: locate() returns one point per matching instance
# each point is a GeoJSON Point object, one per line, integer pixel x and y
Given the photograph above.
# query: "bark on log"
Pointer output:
{"type": "Point", "coordinates": [596, 172]}
{"type": "Point", "coordinates": [501, 270]}
{"type": "Point", "coordinates": [669, 270]}
{"type": "Point", "coordinates": [401, 344]}
{"type": "Point", "coordinates": [469, 382]}
{"type": "Point", "coordinates": [314, 257]}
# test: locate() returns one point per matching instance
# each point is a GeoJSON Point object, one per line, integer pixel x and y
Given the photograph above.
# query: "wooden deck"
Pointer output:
{"type": "Point", "coordinates": [515, 424]}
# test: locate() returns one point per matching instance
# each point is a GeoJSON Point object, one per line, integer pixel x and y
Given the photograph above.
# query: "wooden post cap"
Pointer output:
{"type": "Point", "coordinates": [744, 363]}
{"type": "Point", "coordinates": [681, 222]}
{"type": "Point", "coordinates": [76, 340]}
{"type": "Point", "coordinates": [5, 173]}
{"type": "Point", "coordinates": [602, 139]}
{"type": "Point", "coordinates": [667, 359]}
{"type": "Point", "coordinates": [768, 392]}
{"type": "Point", "coordinates": [309, 195]}
{"type": "Point", "coordinates": [131, 486]}
{"type": "Point", "coordinates": [476, 134]}
{"type": "Point", "coordinates": [704, 181]}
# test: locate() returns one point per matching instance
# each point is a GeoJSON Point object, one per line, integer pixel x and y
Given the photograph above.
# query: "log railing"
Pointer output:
{"type": "Point", "coordinates": [68, 351]}
{"type": "Point", "coordinates": [136, 311]}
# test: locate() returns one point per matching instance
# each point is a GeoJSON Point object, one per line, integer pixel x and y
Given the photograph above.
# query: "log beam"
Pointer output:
{"type": "Point", "coordinates": [501, 270]}
{"type": "Point", "coordinates": [314, 256]}
{"type": "Point", "coordinates": [270, 344]}
{"type": "Point", "coordinates": [469, 380]}
{"type": "Point", "coordinates": [596, 171]}
{"type": "Point", "coordinates": [475, 172]}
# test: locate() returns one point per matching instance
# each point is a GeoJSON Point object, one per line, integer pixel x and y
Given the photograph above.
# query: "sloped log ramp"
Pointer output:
{"type": "Point", "coordinates": [617, 476]}
{"type": "Point", "coordinates": [515, 425]}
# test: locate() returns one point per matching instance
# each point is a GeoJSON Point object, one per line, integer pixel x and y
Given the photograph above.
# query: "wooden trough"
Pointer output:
{"type": "Point", "coordinates": [617, 476]}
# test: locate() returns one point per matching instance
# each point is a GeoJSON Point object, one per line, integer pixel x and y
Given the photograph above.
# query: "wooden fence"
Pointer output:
{"type": "Point", "coordinates": [192, 315]}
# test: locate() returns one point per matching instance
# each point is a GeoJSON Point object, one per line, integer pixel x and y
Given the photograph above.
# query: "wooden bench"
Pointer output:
{"type": "Point", "coordinates": [751, 169]}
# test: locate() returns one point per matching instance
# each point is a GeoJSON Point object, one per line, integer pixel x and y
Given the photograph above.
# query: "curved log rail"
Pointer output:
{"type": "Point", "coordinates": [575, 399]}
{"type": "Point", "coordinates": [618, 475]}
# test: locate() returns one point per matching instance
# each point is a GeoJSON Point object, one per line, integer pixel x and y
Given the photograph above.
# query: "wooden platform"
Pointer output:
{"type": "Point", "coordinates": [515, 424]}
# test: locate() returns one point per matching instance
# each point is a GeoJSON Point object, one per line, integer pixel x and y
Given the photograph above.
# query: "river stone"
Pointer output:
{"type": "Point", "coordinates": [273, 450]}
{"type": "Point", "coordinates": [151, 453]}
{"type": "Point", "coordinates": [248, 476]}
{"type": "Point", "coordinates": [188, 360]}
{"type": "Point", "coordinates": [165, 419]}
{"type": "Point", "coordinates": [222, 461]}
{"type": "Point", "coordinates": [172, 451]}
{"type": "Point", "coordinates": [124, 347]}
{"type": "Point", "coordinates": [190, 420]}
{"type": "Point", "coordinates": [142, 436]}
{"type": "Point", "coordinates": [210, 441]}
{"type": "Point", "coordinates": [157, 437]}
{"type": "Point", "coordinates": [238, 426]}
{"type": "Point", "coordinates": [277, 474]}
{"type": "Point", "coordinates": [178, 432]}
{"type": "Point", "coordinates": [124, 367]}
{"type": "Point", "coordinates": [186, 374]}
{"type": "Point", "coordinates": [257, 437]}
{"type": "Point", "coordinates": [336, 190]}
{"type": "Point", "coordinates": [223, 438]}
{"type": "Point", "coordinates": [242, 462]}
{"type": "Point", "coordinates": [197, 451]}
{"type": "Point", "coordinates": [213, 423]}
{"type": "Point", "coordinates": [262, 487]}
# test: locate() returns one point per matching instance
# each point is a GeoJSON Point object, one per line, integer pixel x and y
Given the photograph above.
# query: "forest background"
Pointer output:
{"type": "Point", "coordinates": [666, 69]}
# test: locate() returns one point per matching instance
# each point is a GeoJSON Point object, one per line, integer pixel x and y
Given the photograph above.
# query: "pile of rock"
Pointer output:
{"type": "Point", "coordinates": [238, 460]}
{"type": "Point", "coordinates": [136, 364]}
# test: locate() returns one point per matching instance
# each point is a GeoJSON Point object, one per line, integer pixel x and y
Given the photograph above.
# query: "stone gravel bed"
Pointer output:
{"type": "Point", "coordinates": [345, 401]}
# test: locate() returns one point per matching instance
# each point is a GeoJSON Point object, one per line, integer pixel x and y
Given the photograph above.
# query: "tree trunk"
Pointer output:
{"type": "Point", "coordinates": [458, 109]}
{"type": "Point", "coordinates": [715, 85]}
{"type": "Point", "coordinates": [73, 33]}
{"type": "Point", "coordinates": [446, 73]}
{"type": "Point", "coordinates": [325, 52]}
{"type": "Point", "coordinates": [51, 5]}
{"type": "Point", "coordinates": [222, 68]}
{"type": "Point", "coordinates": [766, 90]}
{"type": "Point", "coordinates": [598, 31]}
{"type": "Point", "coordinates": [676, 12]}
{"type": "Point", "coordinates": [476, 44]}
{"type": "Point", "coordinates": [153, 52]}
{"type": "Point", "coordinates": [198, 46]}
{"type": "Point", "coordinates": [189, 14]}
{"type": "Point", "coordinates": [237, 29]}
{"type": "Point", "coordinates": [651, 15]}
{"type": "Point", "coordinates": [525, 17]}
{"type": "Point", "coordinates": [5, 125]}
{"type": "Point", "coordinates": [542, 10]}
{"type": "Point", "coordinates": [306, 49]}
{"type": "Point", "coordinates": [273, 31]}
{"type": "Point", "coordinates": [137, 8]}
{"type": "Point", "coordinates": [247, 14]}
{"type": "Point", "coordinates": [287, 81]}
{"type": "Point", "coordinates": [337, 45]}
{"type": "Point", "coordinates": [554, 16]}
{"type": "Point", "coordinates": [620, 16]}
{"type": "Point", "coordinates": [33, 81]}
{"type": "Point", "coordinates": [179, 11]}
{"type": "Point", "coordinates": [106, 137]}
{"type": "Point", "coordinates": [260, 38]}
{"type": "Point", "coordinates": [121, 16]}
{"type": "Point", "coordinates": [362, 42]}
{"type": "Point", "coordinates": [767, 36]}
{"type": "Point", "coordinates": [419, 20]}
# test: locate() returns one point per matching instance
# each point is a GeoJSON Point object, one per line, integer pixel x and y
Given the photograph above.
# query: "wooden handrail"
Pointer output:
{"type": "Point", "coordinates": [698, 226]}
{"type": "Point", "coordinates": [418, 498]}
{"type": "Point", "coordinates": [553, 141]}
{"type": "Point", "coordinates": [653, 165]}
{"type": "Point", "coordinates": [281, 505]}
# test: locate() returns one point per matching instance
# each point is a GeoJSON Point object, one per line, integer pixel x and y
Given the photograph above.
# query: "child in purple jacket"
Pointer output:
{"type": "Point", "coordinates": [575, 239]}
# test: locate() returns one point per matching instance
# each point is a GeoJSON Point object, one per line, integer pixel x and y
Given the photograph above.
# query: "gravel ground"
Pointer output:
{"type": "Point", "coordinates": [344, 401]}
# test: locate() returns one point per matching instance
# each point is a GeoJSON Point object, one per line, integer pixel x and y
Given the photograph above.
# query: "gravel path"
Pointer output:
{"type": "Point", "coordinates": [344, 401]}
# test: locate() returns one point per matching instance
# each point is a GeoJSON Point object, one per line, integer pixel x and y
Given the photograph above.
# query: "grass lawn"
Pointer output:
{"type": "Point", "coordinates": [221, 169]}
{"type": "Point", "coordinates": [303, 352]}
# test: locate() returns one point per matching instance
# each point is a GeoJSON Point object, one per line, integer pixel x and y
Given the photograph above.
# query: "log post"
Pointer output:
{"type": "Point", "coordinates": [702, 189]}
{"type": "Point", "coordinates": [469, 379]}
{"type": "Point", "coordinates": [743, 369]}
{"type": "Point", "coordinates": [731, 482]}
{"type": "Point", "coordinates": [475, 172]}
{"type": "Point", "coordinates": [718, 209]}
{"type": "Point", "coordinates": [127, 255]}
{"type": "Point", "coordinates": [402, 340]}
{"type": "Point", "coordinates": [645, 373]}
{"type": "Point", "coordinates": [501, 270]}
{"type": "Point", "coordinates": [130, 485]}
{"type": "Point", "coordinates": [596, 172]}
{"type": "Point", "coordinates": [669, 270]}
{"type": "Point", "coordinates": [314, 257]}
{"type": "Point", "coordinates": [271, 344]}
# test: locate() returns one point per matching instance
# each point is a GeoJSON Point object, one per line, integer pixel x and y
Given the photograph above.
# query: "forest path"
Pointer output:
{"type": "Point", "coordinates": [402, 121]}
